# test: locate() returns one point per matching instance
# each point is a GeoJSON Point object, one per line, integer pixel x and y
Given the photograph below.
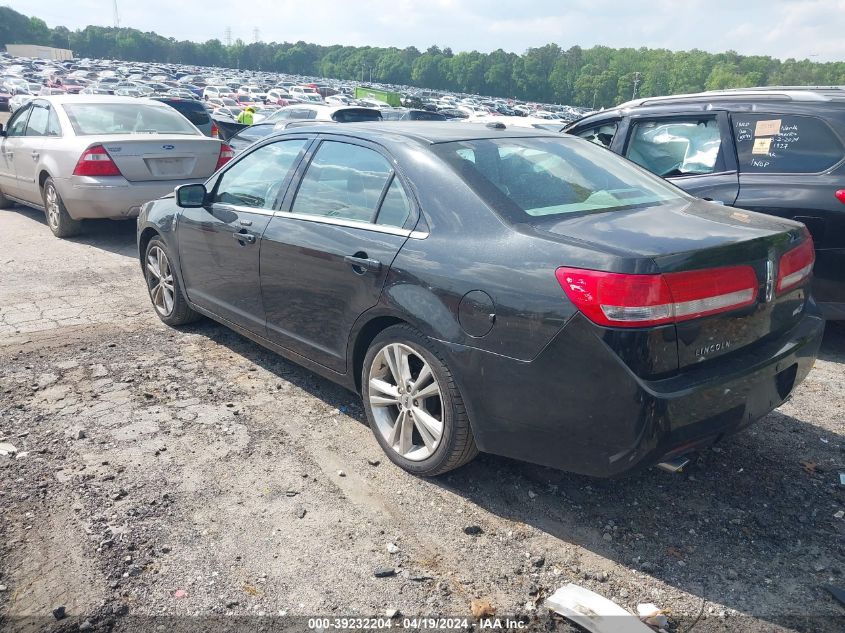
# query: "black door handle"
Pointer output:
{"type": "Point", "coordinates": [363, 264]}
{"type": "Point", "coordinates": [244, 237]}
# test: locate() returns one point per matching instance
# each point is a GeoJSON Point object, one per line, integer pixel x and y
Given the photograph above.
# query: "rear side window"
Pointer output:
{"type": "Point", "coordinates": [38, 121]}
{"type": "Point", "coordinates": [395, 208]}
{"type": "Point", "coordinates": [600, 135]}
{"type": "Point", "coordinates": [677, 147]}
{"type": "Point", "coordinates": [343, 181]}
{"type": "Point", "coordinates": [785, 143]}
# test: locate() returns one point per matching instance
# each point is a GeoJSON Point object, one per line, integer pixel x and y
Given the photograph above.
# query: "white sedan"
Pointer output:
{"type": "Point", "coordinates": [92, 156]}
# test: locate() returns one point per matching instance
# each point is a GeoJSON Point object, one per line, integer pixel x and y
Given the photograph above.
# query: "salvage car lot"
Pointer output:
{"type": "Point", "coordinates": [192, 472]}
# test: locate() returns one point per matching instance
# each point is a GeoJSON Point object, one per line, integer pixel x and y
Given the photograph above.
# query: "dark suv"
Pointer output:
{"type": "Point", "coordinates": [774, 150]}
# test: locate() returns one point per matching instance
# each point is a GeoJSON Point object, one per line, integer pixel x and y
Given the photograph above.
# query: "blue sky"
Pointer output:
{"type": "Point", "coordinates": [781, 28]}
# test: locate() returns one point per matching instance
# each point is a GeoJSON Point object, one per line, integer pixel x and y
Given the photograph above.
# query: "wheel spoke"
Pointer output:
{"type": "Point", "coordinates": [432, 424]}
{"type": "Point", "coordinates": [392, 365]}
{"type": "Point", "coordinates": [422, 378]}
{"type": "Point", "coordinates": [393, 438]}
{"type": "Point", "coordinates": [428, 439]}
{"type": "Point", "coordinates": [168, 300]}
{"type": "Point", "coordinates": [404, 366]}
{"type": "Point", "coordinates": [152, 265]}
{"type": "Point", "coordinates": [156, 295]}
{"type": "Point", "coordinates": [406, 434]}
{"type": "Point", "coordinates": [384, 387]}
{"type": "Point", "coordinates": [379, 401]}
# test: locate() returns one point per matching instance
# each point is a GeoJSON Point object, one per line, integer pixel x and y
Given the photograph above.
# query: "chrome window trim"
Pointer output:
{"type": "Point", "coordinates": [242, 209]}
{"type": "Point", "coordinates": [354, 224]}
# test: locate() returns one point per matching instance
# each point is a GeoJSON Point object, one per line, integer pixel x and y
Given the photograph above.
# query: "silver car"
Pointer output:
{"type": "Point", "coordinates": [92, 156]}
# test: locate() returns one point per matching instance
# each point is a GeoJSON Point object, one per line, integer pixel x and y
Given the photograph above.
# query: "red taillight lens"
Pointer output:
{"type": "Point", "coordinates": [95, 161]}
{"type": "Point", "coordinates": [622, 300]}
{"type": "Point", "coordinates": [840, 195]}
{"type": "Point", "coordinates": [796, 265]}
{"type": "Point", "coordinates": [226, 154]}
{"type": "Point", "coordinates": [215, 131]}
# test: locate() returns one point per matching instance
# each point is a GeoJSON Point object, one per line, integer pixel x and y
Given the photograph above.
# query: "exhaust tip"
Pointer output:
{"type": "Point", "coordinates": [675, 465]}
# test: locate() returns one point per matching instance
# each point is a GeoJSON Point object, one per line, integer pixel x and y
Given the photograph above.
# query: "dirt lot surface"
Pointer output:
{"type": "Point", "coordinates": [192, 473]}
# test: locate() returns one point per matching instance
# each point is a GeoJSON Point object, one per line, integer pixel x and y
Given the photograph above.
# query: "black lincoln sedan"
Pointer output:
{"type": "Point", "coordinates": [510, 291]}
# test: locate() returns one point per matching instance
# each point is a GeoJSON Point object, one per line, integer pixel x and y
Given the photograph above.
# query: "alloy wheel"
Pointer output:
{"type": "Point", "coordinates": [406, 402]}
{"type": "Point", "coordinates": [160, 280]}
{"type": "Point", "coordinates": [51, 197]}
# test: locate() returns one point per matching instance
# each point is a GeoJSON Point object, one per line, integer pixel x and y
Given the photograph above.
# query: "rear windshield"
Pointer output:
{"type": "Point", "coordinates": [194, 111]}
{"type": "Point", "coordinates": [356, 115]}
{"type": "Point", "coordinates": [526, 178]}
{"type": "Point", "coordinates": [90, 119]}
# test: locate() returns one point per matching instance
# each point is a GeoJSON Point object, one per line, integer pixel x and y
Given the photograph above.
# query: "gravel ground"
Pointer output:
{"type": "Point", "coordinates": [164, 474]}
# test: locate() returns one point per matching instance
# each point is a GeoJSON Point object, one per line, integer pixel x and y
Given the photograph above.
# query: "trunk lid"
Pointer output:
{"type": "Point", "coordinates": [700, 236]}
{"type": "Point", "coordinates": [155, 157]}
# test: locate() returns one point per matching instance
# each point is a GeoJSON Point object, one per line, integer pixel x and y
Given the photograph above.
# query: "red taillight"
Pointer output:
{"type": "Point", "coordinates": [623, 300]}
{"type": "Point", "coordinates": [840, 195]}
{"type": "Point", "coordinates": [796, 265]}
{"type": "Point", "coordinates": [215, 131]}
{"type": "Point", "coordinates": [95, 161]}
{"type": "Point", "coordinates": [226, 154]}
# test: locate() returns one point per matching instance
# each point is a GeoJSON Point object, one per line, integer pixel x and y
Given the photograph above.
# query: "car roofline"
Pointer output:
{"type": "Point", "coordinates": [785, 93]}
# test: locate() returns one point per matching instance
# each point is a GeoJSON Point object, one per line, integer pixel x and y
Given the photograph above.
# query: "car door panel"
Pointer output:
{"type": "Point", "coordinates": [10, 146]}
{"type": "Point", "coordinates": [322, 269]}
{"type": "Point", "coordinates": [218, 250]}
{"type": "Point", "coordinates": [219, 244]}
{"type": "Point", "coordinates": [312, 292]}
{"type": "Point", "coordinates": [34, 146]}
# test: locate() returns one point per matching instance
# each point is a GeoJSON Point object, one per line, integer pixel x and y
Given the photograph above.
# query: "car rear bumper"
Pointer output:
{"type": "Point", "coordinates": [579, 408]}
{"type": "Point", "coordinates": [111, 197]}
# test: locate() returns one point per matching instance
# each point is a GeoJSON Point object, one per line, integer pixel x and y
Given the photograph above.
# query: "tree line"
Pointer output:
{"type": "Point", "coordinates": [592, 77]}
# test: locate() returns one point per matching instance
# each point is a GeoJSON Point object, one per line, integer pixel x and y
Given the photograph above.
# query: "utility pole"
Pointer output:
{"type": "Point", "coordinates": [116, 16]}
{"type": "Point", "coordinates": [227, 36]}
{"type": "Point", "coordinates": [595, 95]}
{"type": "Point", "coordinates": [637, 77]}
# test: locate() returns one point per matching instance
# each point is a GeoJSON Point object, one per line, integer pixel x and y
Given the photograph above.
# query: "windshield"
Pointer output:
{"type": "Point", "coordinates": [90, 119]}
{"type": "Point", "coordinates": [526, 178]}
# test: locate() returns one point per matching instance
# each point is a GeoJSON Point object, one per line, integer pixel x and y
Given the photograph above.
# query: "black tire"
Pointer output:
{"type": "Point", "coordinates": [58, 219]}
{"type": "Point", "coordinates": [180, 313]}
{"type": "Point", "coordinates": [457, 444]}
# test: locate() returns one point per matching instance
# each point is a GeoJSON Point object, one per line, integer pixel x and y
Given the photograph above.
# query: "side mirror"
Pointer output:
{"type": "Point", "coordinates": [2, 130]}
{"type": "Point", "coordinates": [191, 196]}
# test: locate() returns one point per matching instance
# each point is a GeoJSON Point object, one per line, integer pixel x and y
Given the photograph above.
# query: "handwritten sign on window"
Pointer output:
{"type": "Point", "coordinates": [761, 146]}
{"type": "Point", "coordinates": [767, 128]}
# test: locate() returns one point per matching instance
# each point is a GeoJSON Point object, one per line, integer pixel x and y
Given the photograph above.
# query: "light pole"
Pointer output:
{"type": "Point", "coordinates": [636, 84]}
